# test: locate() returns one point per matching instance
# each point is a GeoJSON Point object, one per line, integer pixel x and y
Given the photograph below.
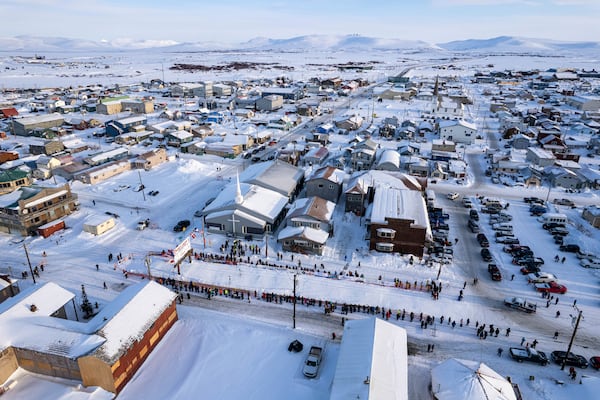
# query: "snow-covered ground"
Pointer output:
{"type": "Point", "coordinates": [227, 348]}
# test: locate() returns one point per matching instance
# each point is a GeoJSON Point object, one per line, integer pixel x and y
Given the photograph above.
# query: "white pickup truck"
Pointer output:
{"type": "Point", "coordinates": [313, 360]}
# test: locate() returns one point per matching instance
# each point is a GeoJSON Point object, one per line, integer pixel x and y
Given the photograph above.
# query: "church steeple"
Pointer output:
{"type": "Point", "coordinates": [239, 199]}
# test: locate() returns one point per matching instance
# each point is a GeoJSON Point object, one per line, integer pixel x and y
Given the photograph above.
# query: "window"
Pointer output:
{"type": "Point", "coordinates": [331, 187]}
{"type": "Point", "coordinates": [386, 233]}
{"type": "Point", "coordinates": [386, 247]}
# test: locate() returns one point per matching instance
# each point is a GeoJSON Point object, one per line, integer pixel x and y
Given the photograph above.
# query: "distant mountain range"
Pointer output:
{"type": "Point", "coordinates": [502, 44]}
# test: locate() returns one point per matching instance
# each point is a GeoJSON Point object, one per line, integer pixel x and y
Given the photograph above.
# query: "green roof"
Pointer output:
{"type": "Point", "coordinates": [109, 99]}
{"type": "Point", "coordinates": [12, 175]}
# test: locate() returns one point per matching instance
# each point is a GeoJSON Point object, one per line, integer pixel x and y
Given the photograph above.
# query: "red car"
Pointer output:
{"type": "Point", "coordinates": [595, 362]}
{"type": "Point", "coordinates": [551, 287]}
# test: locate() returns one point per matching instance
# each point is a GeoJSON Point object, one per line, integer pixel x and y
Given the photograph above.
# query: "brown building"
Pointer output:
{"type": "Point", "coordinates": [146, 313]}
{"type": "Point", "coordinates": [399, 222]}
{"type": "Point", "coordinates": [30, 207]}
{"type": "Point", "coordinates": [26, 126]}
{"type": "Point", "coordinates": [150, 159]}
{"type": "Point", "coordinates": [8, 156]}
{"type": "Point", "coordinates": [106, 351]}
{"type": "Point", "coordinates": [48, 147]}
{"type": "Point", "coordinates": [8, 287]}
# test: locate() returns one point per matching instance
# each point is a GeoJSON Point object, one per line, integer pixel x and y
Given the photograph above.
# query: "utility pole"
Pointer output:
{"type": "Point", "coordinates": [147, 262]}
{"type": "Point", "coordinates": [266, 246]}
{"type": "Point", "coordinates": [562, 367]}
{"type": "Point", "coordinates": [294, 314]}
{"type": "Point", "coordinates": [29, 262]}
{"type": "Point", "coordinates": [141, 185]}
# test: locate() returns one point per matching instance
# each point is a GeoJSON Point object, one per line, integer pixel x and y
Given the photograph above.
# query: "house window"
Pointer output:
{"type": "Point", "coordinates": [386, 247]}
{"type": "Point", "coordinates": [386, 233]}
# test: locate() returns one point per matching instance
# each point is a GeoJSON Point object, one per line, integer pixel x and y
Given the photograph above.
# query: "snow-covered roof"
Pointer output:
{"type": "Point", "coordinates": [390, 156]}
{"type": "Point", "coordinates": [40, 119]}
{"type": "Point", "coordinates": [131, 120]}
{"type": "Point", "coordinates": [469, 380]}
{"type": "Point", "coordinates": [372, 363]}
{"type": "Point", "coordinates": [329, 173]}
{"type": "Point", "coordinates": [315, 207]}
{"type": "Point", "coordinates": [97, 219]}
{"type": "Point", "coordinates": [45, 198]}
{"type": "Point", "coordinates": [108, 154]}
{"type": "Point", "coordinates": [401, 204]}
{"type": "Point", "coordinates": [314, 235]}
{"type": "Point", "coordinates": [256, 200]}
{"type": "Point", "coordinates": [275, 175]}
{"type": "Point", "coordinates": [37, 330]}
{"type": "Point", "coordinates": [181, 135]}
{"type": "Point", "coordinates": [129, 316]}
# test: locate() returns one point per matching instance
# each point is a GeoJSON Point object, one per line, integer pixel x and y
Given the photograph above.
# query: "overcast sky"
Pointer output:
{"type": "Point", "coordinates": [434, 21]}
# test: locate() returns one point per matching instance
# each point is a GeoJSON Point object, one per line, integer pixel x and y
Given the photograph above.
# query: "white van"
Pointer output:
{"type": "Point", "coordinates": [553, 217]}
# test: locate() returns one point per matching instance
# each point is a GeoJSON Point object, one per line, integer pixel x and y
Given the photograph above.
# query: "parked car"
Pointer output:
{"type": "Point", "coordinates": [549, 225]}
{"type": "Point", "coordinates": [494, 272]}
{"type": "Point", "coordinates": [483, 240]}
{"type": "Point", "coordinates": [486, 255]}
{"type": "Point", "coordinates": [452, 196]}
{"type": "Point", "coordinates": [521, 354]}
{"type": "Point", "coordinates": [558, 231]}
{"type": "Point", "coordinates": [538, 210]}
{"type": "Point", "coordinates": [564, 202]}
{"type": "Point", "coordinates": [530, 269]}
{"type": "Point", "coordinates": [529, 260]}
{"type": "Point", "coordinates": [584, 254]}
{"type": "Point", "coordinates": [595, 362]}
{"type": "Point", "coordinates": [141, 225]}
{"type": "Point", "coordinates": [473, 226]}
{"type": "Point", "coordinates": [551, 287]}
{"type": "Point", "coordinates": [569, 248]}
{"type": "Point", "coordinates": [533, 200]}
{"type": "Point", "coordinates": [507, 240]}
{"type": "Point", "coordinates": [514, 247]}
{"type": "Point", "coordinates": [575, 360]}
{"type": "Point", "coordinates": [474, 215]}
{"type": "Point", "coordinates": [559, 239]}
{"type": "Point", "coordinates": [466, 202]}
{"type": "Point", "coordinates": [541, 277]}
{"type": "Point", "coordinates": [522, 253]}
{"type": "Point", "coordinates": [590, 263]}
{"type": "Point", "coordinates": [181, 225]}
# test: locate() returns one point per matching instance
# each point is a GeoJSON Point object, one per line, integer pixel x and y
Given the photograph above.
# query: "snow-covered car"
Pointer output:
{"type": "Point", "coordinates": [551, 287]}
{"type": "Point", "coordinates": [584, 254]}
{"type": "Point", "coordinates": [541, 277]}
{"type": "Point", "coordinates": [564, 202]}
{"type": "Point", "coordinates": [467, 203]}
{"type": "Point", "coordinates": [590, 263]}
{"type": "Point", "coordinates": [452, 196]}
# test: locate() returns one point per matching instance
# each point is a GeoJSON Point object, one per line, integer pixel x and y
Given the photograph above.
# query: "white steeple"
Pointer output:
{"type": "Point", "coordinates": [239, 199]}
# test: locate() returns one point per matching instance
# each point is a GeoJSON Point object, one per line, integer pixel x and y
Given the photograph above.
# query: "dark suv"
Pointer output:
{"type": "Point", "coordinates": [569, 248]}
{"type": "Point", "coordinates": [486, 255]}
{"type": "Point", "coordinates": [181, 226]}
{"type": "Point", "coordinates": [575, 360]}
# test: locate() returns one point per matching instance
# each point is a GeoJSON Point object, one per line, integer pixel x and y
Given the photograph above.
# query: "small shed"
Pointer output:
{"type": "Point", "coordinates": [51, 227]}
{"type": "Point", "coordinates": [98, 224]}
